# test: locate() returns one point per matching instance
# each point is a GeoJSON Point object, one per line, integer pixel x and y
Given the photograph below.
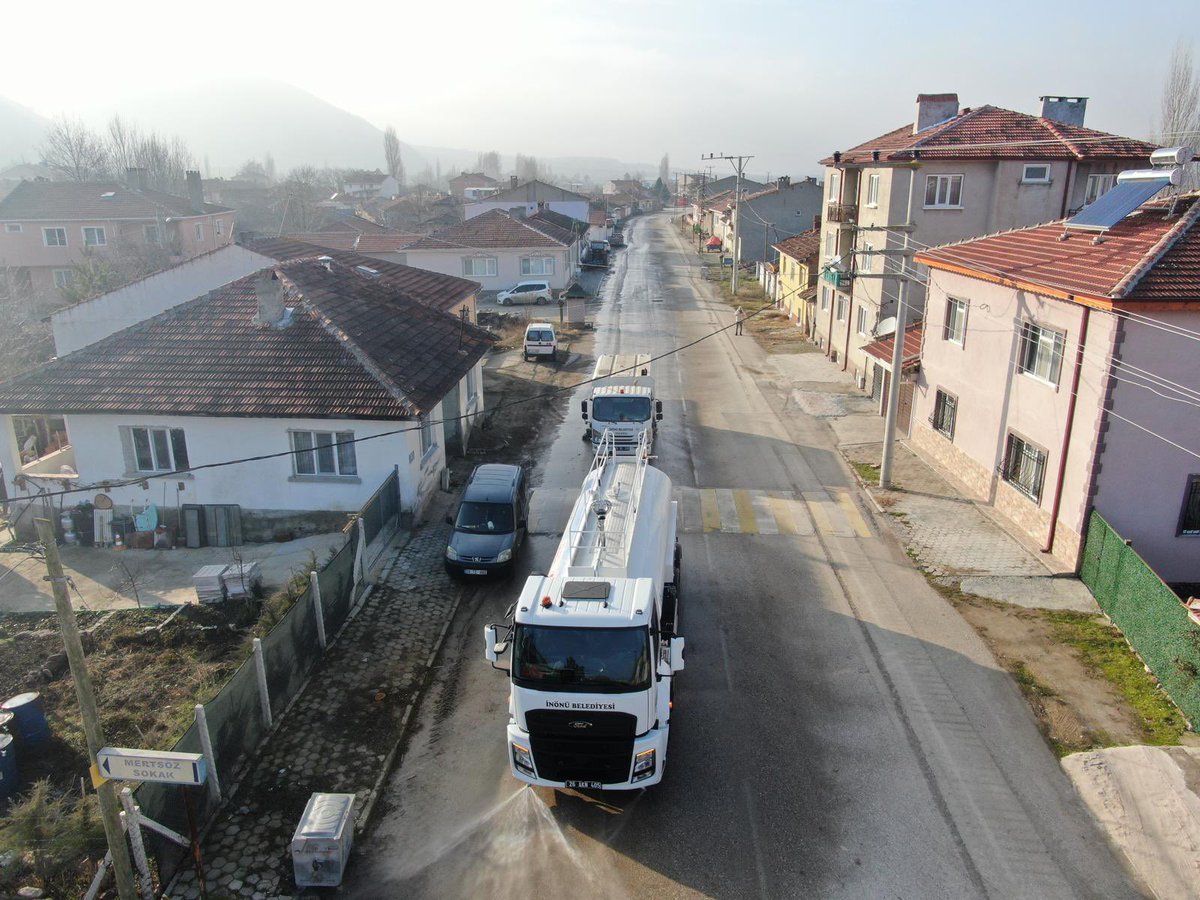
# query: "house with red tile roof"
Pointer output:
{"type": "Point", "coordinates": [473, 186]}
{"type": "Point", "coordinates": [497, 249]}
{"type": "Point", "coordinates": [528, 198]}
{"type": "Point", "coordinates": [332, 373]}
{"type": "Point", "coordinates": [951, 174]}
{"type": "Point", "coordinates": [796, 281]}
{"type": "Point", "coordinates": [1059, 374]}
{"type": "Point", "coordinates": [47, 228]}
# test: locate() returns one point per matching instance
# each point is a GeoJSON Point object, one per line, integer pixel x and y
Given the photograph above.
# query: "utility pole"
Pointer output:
{"type": "Point", "coordinates": [739, 165]}
{"type": "Point", "coordinates": [893, 401]}
{"type": "Point", "coordinates": [110, 807]}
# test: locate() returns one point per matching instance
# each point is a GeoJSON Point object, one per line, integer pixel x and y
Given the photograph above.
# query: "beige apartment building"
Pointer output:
{"type": "Point", "coordinates": [954, 174]}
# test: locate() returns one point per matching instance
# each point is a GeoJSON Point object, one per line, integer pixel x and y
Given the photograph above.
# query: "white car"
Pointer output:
{"type": "Point", "coordinates": [538, 292]}
{"type": "Point", "coordinates": [540, 340]}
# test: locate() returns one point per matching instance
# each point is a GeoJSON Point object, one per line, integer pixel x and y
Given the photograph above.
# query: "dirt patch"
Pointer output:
{"type": "Point", "coordinates": [509, 328]}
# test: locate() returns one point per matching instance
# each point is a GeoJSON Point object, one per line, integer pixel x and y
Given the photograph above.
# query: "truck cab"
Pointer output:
{"type": "Point", "coordinates": [622, 402]}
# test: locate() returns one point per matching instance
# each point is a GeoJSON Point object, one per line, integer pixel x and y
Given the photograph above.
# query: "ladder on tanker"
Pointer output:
{"type": "Point", "coordinates": [600, 544]}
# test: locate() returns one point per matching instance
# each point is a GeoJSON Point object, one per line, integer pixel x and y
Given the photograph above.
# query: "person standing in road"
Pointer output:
{"type": "Point", "coordinates": [738, 318]}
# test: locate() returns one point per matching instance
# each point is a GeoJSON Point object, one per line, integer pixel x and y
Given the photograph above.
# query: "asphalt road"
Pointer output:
{"type": "Point", "coordinates": [839, 730]}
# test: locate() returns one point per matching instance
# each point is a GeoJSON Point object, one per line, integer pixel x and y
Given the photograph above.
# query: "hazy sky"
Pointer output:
{"type": "Point", "coordinates": [786, 81]}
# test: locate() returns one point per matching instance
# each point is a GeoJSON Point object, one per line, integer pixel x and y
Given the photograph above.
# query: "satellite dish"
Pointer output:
{"type": "Point", "coordinates": [885, 327]}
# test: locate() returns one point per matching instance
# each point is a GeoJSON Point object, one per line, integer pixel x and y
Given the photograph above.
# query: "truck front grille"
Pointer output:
{"type": "Point", "coordinates": [581, 746]}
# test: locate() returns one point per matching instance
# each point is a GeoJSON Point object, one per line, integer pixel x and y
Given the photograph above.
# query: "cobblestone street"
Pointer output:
{"type": "Point", "coordinates": [338, 735]}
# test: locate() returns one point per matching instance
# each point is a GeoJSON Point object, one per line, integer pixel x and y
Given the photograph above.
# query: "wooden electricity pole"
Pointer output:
{"type": "Point", "coordinates": [110, 807]}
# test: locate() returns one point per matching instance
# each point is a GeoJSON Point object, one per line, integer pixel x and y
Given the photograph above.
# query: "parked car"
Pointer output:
{"type": "Point", "coordinates": [540, 340]}
{"type": "Point", "coordinates": [538, 292]}
{"type": "Point", "coordinates": [491, 522]}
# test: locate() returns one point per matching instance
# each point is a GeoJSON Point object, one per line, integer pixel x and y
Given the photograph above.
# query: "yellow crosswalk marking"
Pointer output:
{"type": "Point", "coordinates": [816, 509]}
{"type": "Point", "coordinates": [780, 508]}
{"type": "Point", "coordinates": [709, 512]}
{"type": "Point", "coordinates": [747, 521]}
{"type": "Point", "coordinates": [857, 522]}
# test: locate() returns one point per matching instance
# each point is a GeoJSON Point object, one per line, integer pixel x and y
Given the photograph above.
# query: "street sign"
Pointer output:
{"type": "Point", "coordinates": [123, 764]}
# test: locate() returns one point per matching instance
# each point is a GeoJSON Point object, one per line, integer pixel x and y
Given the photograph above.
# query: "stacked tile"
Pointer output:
{"type": "Point", "coordinates": [209, 586]}
{"type": "Point", "coordinates": [242, 579]}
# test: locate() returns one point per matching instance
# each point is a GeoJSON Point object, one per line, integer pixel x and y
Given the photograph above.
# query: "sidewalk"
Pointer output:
{"type": "Point", "coordinates": [342, 732]}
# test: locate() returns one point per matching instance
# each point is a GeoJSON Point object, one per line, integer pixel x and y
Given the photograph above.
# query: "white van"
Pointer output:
{"type": "Point", "coordinates": [540, 340]}
{"type": "Point", "coordinates": [537, 291]}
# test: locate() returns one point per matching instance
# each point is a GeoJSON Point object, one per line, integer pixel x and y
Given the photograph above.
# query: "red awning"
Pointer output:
{"type": "Point", "coordinates": [713, 241]}
{"type": "Point", "coordinates": [882, 349]}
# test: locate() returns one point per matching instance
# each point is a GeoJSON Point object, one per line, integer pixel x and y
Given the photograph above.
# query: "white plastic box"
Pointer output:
{"type": "Point", "coordinates": [321, 844]}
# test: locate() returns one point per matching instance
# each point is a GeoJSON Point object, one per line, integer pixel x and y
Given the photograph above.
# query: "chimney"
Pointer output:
{"type": "Point", "coordinates": [512, 181]}
{"type": "Point", "coordinates": [268, 290]}
{"type": "Point", "coordinates": [784, 181]}
{"type": "Point", "coordinates": [195, 191]}
{"type": "Point", "coordinates": [933, 109]}
{"type": "Point", "coordinates": [817, 221]}
{"type": "Point", "coordinates": [135, 179]}
{"type": "Point", "coordinates": [1068, 110]}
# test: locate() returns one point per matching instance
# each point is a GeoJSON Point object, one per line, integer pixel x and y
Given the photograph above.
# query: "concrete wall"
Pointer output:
{"type": "Point", "coordinates": [508, 265]}
{"type": "Point", "coordinates": [789, 211]}
{"type": "Point", "coordinates": [994, 398]}
{"type": "Point", "coordinates": [85, 323]}
{"type": "Point", "coordinates": [1142, 478]}
{"type": "Point", "coordinates": [576, 209]}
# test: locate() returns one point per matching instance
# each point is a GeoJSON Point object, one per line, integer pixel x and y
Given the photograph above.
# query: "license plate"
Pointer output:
{"type": "Point", "coordinates": [475, 571]}
{"type": "Point", "coordinates": [587, 785]}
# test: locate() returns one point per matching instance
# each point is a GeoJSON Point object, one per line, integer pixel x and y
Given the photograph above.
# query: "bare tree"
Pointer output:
{"type": "Point", "coordinates": [269, 166]}
{"type": "Point", "coordinates": [527, 167]}
{"type": "Point", "coordinates": [25, 339]}
{"type": "Point", "coordinates": [664, 169]}
{"type": "Point", "coordinates": [391, 151]}
{"type": "Point", "coordinates": [123, 141]}
{"type": "Point", "coordinates": [75, 150]}
{"type": "Point", "coordinates": [488, 163]}
{"type": "Point", "coordinates": [1179, 108]}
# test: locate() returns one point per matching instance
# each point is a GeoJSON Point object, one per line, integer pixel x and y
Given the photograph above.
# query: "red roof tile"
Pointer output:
{"type": "Point", "coordinates": [802, 246]}
{"type": "Point", "coordinates": [494, 229]}
{"type": "Point", "coordinates": [76, 200]}
{"type": "Point", "coordinates": [883, 348]}
{"type": "Point", "coordinates": [989, 132]}
{"type": "Point", "coordinates": [1150, 255]}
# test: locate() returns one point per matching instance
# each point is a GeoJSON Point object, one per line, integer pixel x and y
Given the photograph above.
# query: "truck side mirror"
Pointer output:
{"type": "Point", "coordinates": [676, 654]}
{"type": "Point", "coordinates": [583, 406]}
{"type": "Point", "coordinates": [489, 640]}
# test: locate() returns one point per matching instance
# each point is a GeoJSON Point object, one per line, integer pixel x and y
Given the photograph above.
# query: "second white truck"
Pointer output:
{"type": "Point", "coordinates": [623, 402]}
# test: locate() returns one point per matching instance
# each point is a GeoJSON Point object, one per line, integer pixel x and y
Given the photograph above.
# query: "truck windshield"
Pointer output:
{"type": "Point", "coordinates": [602, 660]}
{"type": "Point", "coordinates": [621, 409]}
{"type": "Point", "coordinates": [485, 518]}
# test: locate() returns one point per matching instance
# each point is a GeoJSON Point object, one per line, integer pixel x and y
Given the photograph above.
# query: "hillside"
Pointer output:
{"type": "Point", "coordinates": [21, 130]}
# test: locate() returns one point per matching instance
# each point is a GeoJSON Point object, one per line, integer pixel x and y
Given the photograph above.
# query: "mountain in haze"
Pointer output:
{"type": "Point", "coordinates": [21, 131]}
{"type": "Point", "coordinates": [228, 122]}
{"type": "Point", "coordinates": [598, 169]}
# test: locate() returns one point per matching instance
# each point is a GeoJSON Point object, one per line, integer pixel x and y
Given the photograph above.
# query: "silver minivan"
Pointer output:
{"type": "Point", "coordinates": [536, 291]}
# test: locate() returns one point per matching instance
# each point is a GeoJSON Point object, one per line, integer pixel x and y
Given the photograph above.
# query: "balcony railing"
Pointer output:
{"type": "Point", "coordinates": [841, 212]}
{"type": "Point", "coordinates": [839, 279]}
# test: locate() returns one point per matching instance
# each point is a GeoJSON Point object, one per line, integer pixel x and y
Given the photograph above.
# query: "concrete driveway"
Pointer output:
{"type": "Point", "coordinates": [115, 579]}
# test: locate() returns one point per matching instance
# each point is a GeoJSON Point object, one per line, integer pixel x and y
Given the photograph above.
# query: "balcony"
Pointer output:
{"type": "Point", "coordinates": [842, 213]}
{"type": "Point", "coordinates": [843, 281]}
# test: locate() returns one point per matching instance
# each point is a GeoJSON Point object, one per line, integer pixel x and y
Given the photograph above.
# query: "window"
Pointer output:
{"type": "Point", "coordinates": [1024, 466]}
{"type": "Point", "coordinates": [830, 243]}
{"type": "Point", "coordinates": [843, 307]}
{"type": "Point", "coordinates": [94, 237]}
{"type": "Point", "coordinates": [479, 266]}
{"type": "Point", "coordinates": [1097, 187]}
{"type": "Point", "coordinates": [824, 297]}
{"type": "Point", "coordinates": [835, 180]}
{"type": "Point", "coordinates": [1035, 173]}
{"type": "Point", "coordinates": [945, 412]}
{"type": "Point", "coordinates": [323, 453]}
{"type": "Point", "coordinates": [152, 234]}
{"type": "Point", "coordinates": [1189, 522]}
{"type": "Point", "coordinates": [873, 190]}
{"type": "Point", "coordinates": [220, 227]}
{"type": "Point", "coordinates": [955, 329]}
{"type": "Point", "coordinates": [867, 259]}
{"type": "Point", "coordinates": [943, 191]}
{"type": "Point", "coordinates": [473, 378]}
{"type": "Point", "coordinates": [154, 449]}
{"type": "Point", "coordinates": [64, 278]}
{"type": "Point", "coordinates": [54, 237]}
{"type": "Point", "coordinates": [427, 443]}
{"type": "Point", "coordinates": [1042, 352]}
{"type": "Point", "coordinates": [198, 227]}
{"type": "Point", "coordinates": [537, 265]}
{"type": "Point", "coordinates": [861, 321]}
{"type": "Point", "coordinates": [12, 227]}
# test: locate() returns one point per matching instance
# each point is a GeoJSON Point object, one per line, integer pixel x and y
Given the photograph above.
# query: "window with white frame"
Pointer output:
{"type": "Point", "coordinates": [862, 320]}
{"type": "Point", "coordinates": [843, 307]}
{"type": "Point", "coordinates": [873, 189]}
{"type": "Point", "coordinates": [955, 329]}
{"type": "Point", "coordinates": [328, 453]}
{"type": "Point", "coordinates": [866, 259]}
{"type": "Point", "coordinates": [13, 227]}
{"type": "Point", "coordinates": [149, 449]}
{"type": "Point", "coordinates": [198, 228]}
{"type": "Point", "coordinates": [220, 226]}
{"type": "Point", "coordinates": [1024, 466]}
{"type": "Point", "coordinates": [945, 414]}
{"type": "Point", "coordinates": [835, 183]}
{"type": "Point", "coordinates": [1041, 352]}
{"type": "Point", "coordinates": [152, 234]}
{"type": "Point", "coordinates": [1097, 187]}
{"type": "Point", "coordinates": [537, 265]}
{"type": "Point", "coordinates": [64, 278]}
{"type": "Point", "coordinates": [943, 191]}
{"type": "Point", "coordinates": [94, 236]}
{"type": "Point", "coordinates": [479, 266]}
{"type": "Point", "coordinates": [824, 297]}
{"type": "Point", "coordinates": [1189, 520]}
{"type": "Point", "coordinates": [427, 443]}
{"type": "Point", "coordinates": [1035, 173]}
{"type": "Point", "coordinates": [473, 379]}
{"type": "Point", "coordinates": [830, 243]}
{"type": "Point", "coordinates": [54, 237]}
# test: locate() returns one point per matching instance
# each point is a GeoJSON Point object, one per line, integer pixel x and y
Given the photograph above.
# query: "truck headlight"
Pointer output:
{"type": "Point", "coordinates": [451, 554]}
{"type": "Point", "coordinates": [504, 556]}
{"type": "Point", "coordinates": [643, 764]}
{"type": "Point", "coordinates": [522, 758]}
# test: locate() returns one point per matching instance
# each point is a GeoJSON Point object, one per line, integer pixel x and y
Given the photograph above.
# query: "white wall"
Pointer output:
{"type": "Point", "coordinates": [87, 322]}
{"type": "Point", "coordinates": [576, 209]}
{"type": "Point", "coordinates": [508, 265]}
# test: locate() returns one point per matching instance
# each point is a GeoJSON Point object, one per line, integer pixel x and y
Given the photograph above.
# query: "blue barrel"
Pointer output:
{"type": "Point", "coordinates": [8, 767]}
{"type": "Point", "coordinates": [29, 719]}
